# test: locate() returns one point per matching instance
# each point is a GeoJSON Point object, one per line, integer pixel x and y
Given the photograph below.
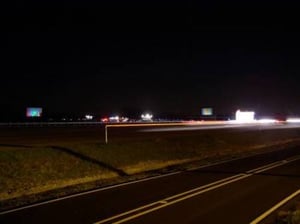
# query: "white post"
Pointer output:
{"type": "Point", "coordinates": [106, 138]}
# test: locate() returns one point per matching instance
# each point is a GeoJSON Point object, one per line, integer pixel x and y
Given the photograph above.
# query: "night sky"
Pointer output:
{"type": "Point", "coordinates": [167, 57]}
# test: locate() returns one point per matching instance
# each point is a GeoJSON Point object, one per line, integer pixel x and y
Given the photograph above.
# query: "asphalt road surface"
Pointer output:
{"type": "Point", "coordinates": [236, 191]}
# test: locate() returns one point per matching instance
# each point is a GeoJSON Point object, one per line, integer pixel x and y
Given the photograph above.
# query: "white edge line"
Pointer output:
{"type": "Point", "coordinates": [264, 167]}
{"type": "Point", "coordinates": [215, 185]}
{"type": "Point", "coordinates": [195, 194]}
{"type": "Point", "coordinates": [169, 198]}
{"type": "Point", "coordinates": [264, 215]}
{"type": "Point", "coordinates": [88, 192]}
{"type": "Point", "coordinates": [234, 159]}
{"type": "Point", "coordinates": [127, 183]}
{"type": "Point", "coordinates": [180, 199]}
{"type": "Point", "coordinates": [124, 184]}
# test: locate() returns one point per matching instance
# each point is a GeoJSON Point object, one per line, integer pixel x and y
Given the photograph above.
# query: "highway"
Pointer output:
{"type": "Point", "coordinates": [83, 132]}
{"type": "Point", "coordinates": [235, 191]}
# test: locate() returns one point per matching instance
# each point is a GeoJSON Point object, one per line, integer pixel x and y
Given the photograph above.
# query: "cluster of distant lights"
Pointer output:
{"type": "Point", "coordinates": [89, 117]}
{"type": "Point", "coordinates": [115, 119]}
{"type": "Point", "coordinates": [243, 117]}
{"type": "Point", "coordinates": [144, 117]}
{"type": "Point", "coordinates": [147, 117]}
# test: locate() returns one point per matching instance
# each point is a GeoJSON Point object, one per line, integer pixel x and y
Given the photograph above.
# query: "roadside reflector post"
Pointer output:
{"type": "Point", "coordinates": [106, 138]}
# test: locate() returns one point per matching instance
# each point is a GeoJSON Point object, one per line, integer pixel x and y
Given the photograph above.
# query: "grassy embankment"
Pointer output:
{"type": "Point", "coordinates": [42, 167]}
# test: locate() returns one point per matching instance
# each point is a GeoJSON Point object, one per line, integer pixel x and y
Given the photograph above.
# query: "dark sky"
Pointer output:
{"type": "Point", "coordinates": [168, 57]}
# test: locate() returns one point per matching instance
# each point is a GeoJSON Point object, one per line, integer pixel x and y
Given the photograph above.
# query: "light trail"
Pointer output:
{"type": "Point", "coordinates": [226, 125]}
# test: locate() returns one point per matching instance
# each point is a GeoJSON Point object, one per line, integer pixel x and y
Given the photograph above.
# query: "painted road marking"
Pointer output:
{"type": "Point", "coordinates": [275, 207]}
{"type": "Point", "coordinates": [120, 185]}
{"type": "Point", "coordinates": [125, 184]}
{"type": "Point", "coordinates": [143, 210]}
{"type": "Point", "coordinates": [148, 206]}
{"type": "Point", "coordinates": [88, 192]}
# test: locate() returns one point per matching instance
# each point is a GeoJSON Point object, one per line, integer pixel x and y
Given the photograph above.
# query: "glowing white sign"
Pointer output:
{"type": "Point", "coordinates": [246, 116]}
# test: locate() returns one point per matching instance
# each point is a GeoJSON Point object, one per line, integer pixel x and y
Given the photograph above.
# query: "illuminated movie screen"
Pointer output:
{"type": "Point", "coordinates": [34, 112]}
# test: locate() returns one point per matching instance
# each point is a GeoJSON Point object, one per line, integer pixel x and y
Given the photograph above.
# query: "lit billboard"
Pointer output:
{"type": "Point", "coordinates": [34, 112]}
{"type": "Point", "coordinates": [244, 116]}
{"type": "Point", "coordinates": [207, 111]}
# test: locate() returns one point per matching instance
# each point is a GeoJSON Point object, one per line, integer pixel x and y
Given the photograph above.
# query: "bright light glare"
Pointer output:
{"type": "Point", "coordinates": [244, 117]}
{"type": "Point", "coordinates": [147, 117]}
{"type": "Point", "coordinates": [105, 119]}
{"type": "Point", "coordinates": [293, 120]}
{"type": "Point", "coordinates": [265, 121]}
{"type": "Point", "coordinates": [124, 119]}
{"type": "Point", "coordinates": [88, 117]}
{"type": "Point", "coordinates": [114, 119]}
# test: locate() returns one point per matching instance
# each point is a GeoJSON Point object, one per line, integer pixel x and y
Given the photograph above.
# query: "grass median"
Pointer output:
{"type": "Point", "coordinates": [32, 169]}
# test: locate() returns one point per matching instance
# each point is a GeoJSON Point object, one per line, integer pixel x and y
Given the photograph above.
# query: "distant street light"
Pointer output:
{"type": "Point", "coordinates": [147, 117]}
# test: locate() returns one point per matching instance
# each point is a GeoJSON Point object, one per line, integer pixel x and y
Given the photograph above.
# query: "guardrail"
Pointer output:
{"type": "Point", "coordinates": [14, 124]}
